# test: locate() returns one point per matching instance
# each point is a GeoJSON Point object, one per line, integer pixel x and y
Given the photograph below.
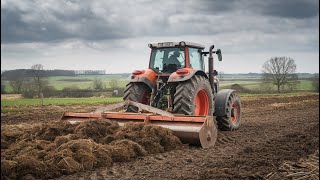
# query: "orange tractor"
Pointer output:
{"type": "Point", "coordinates": [175, 92]}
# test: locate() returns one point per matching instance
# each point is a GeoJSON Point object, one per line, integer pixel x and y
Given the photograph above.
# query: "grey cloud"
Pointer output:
{"type": "Point", "coordinates": [47, 21]}
{"type": "Point", "coordinates": [212, 6]}
{"type": "Point", "coordinates": [291, 8]}
{"type": "Point", "coordinates": [16, 30]}
{"type": "Point", "coordinates": [277, 8]}
{"type": "Point", "coordinates": [56, 21]}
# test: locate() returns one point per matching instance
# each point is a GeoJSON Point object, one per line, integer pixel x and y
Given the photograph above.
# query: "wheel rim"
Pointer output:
{"type": "Point", "coordinates": [201, 103]}
{"type": "Point", "coordinates": [234, 112]}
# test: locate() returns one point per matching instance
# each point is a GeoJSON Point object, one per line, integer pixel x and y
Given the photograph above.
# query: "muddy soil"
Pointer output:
{"type": "Point", "coordinates": [42, 114]}
{"type": "Point", "coordinates": [274, 130]}
{"type": "Point", "coordinates": [49, 150]}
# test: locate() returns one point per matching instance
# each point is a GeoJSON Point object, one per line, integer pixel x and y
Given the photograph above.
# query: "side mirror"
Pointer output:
{"type": "Point", "coordinates": [215, 72]}
{"type": "Point", "coordinates": [218, 52]}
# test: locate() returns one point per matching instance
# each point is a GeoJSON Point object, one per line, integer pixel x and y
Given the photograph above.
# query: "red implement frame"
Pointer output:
{"type": "Point", "coordinates": [199, 130]}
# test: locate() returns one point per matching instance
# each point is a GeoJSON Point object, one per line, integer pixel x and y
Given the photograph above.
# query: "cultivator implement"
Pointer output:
{"type": "Point", "coordinates": [198, 130]}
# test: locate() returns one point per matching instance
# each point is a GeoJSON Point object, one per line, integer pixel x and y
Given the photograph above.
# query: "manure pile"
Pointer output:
{"type": "Point", "coordinates": [58, 148]}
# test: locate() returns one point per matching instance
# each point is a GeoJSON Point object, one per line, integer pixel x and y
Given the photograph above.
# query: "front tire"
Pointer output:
{"type": "Point", "coordinates": [137, 92]}
{"type": "Point", "coordinates": [194, 97]}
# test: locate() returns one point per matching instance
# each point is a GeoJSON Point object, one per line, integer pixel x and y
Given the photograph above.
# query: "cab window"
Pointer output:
{"type": "Point", "coordinates": [167, 60]}
{"type": "Point", "coordinates": [195, 58]}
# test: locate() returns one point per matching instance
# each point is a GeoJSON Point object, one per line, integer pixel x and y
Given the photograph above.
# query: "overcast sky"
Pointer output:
{"type": "Point", "coordinates": [112, 35]}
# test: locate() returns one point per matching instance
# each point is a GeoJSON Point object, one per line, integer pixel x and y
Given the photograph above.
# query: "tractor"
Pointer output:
{"type": "Point", "coordinates": [175, 92]}
{"type": "Point", "coordinates": [176, 81]}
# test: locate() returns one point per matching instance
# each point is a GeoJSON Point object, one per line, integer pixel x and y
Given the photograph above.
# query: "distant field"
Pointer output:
{"type": "Point", "coordinates": [85, 82]}
{"type": "Point", "coordinates": [240, 82]}
{"type": "Point", "coordinates": [58, 101]}
{"type": "Point", "coordinates": [305, 85]}
{"type": "Point", "coordinates": [80, 81]}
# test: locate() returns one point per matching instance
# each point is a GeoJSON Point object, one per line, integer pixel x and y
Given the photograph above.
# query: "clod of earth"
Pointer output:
{"type": "Point", "coordinates": [50, 150]}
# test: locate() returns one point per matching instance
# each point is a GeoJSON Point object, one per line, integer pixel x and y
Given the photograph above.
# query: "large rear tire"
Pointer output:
{"type": "Point", "coordinates": [194, 97]}
{"type": "Point", "coordinates": [137, 92]}
{"type": "Point", "coordinates": [232, 118]}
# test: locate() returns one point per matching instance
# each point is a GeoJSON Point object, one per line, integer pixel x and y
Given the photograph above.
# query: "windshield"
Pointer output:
{"type": "Point", "coordinates": [167, 60]}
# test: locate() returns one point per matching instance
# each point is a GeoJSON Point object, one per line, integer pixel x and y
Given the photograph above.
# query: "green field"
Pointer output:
{"type": "Point", "coordinates": [84, 81]}
{"type": "Point", "coordinates": [80, 81]}
{"type": "Point", "coordinates": [93, 100]}
{"type": "Point", "coordinates": [58, 101]}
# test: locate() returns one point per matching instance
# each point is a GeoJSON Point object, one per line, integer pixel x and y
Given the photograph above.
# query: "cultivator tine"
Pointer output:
{"type": "Point", "coordinates": [110, 107]}
{"type": "Point", "coordinates": [146, 108]}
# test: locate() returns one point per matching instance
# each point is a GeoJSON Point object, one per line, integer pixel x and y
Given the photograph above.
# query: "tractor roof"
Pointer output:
{"type": "Point", "coordinates": [172, 44]}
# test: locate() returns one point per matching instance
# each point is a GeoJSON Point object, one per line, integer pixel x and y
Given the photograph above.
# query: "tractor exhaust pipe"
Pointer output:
{"type": "Point", "coordinates": [210, 63]}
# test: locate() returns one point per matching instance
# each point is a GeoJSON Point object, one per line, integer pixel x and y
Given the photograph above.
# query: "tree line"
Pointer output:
{"type": "Point", "coordinates": [10, 74]}
{"type": "Point", "coordinates": [34, 83]}
{"type": "Point", "coordinates": [13, 74]}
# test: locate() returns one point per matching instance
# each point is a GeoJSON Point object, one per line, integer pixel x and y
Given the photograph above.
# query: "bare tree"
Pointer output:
{"type": "Point", "coordinates": [97, 84]}
{"type": "Point", "coordinates": [279, 70]}
{"type": "Point", "coordinates": [16, 85]}
{"type": "Point", "coordinates": [16, 81]}
{"type": "Point", "coordinates": [29, 89]}
{"type": "Point", "coordinates": [39, 78]}
{"type": "Point", "coordinates": [114, 84]}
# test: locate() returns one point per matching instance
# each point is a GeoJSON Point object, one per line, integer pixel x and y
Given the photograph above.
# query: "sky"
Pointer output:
{"type": "Point", "coordinates": [113, 35]}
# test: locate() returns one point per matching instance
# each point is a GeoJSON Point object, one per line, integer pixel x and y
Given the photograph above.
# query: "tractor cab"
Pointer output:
{"type": "Point", "coordinates": [168, 57]}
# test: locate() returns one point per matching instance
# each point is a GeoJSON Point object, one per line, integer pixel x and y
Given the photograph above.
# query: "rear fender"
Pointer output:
{"type": "Point", "coordinates": [221, 100]}
{"type": "Point", "coordinates": [149, 77]}
{"type": "Point", "coordinates": [175, 77]}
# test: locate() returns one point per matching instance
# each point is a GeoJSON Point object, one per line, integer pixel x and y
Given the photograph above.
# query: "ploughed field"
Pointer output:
{"type": "Point", "coordinates": [278, 139]}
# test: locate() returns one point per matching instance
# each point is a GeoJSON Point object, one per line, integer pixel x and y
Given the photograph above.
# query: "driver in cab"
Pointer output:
{"type": "Point", "coordinates": [173, 59]}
